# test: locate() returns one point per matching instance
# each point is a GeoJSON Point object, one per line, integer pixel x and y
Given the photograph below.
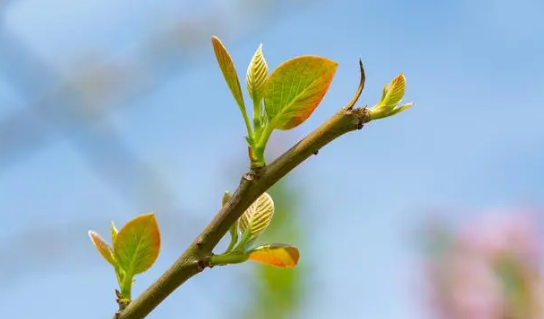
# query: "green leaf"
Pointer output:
{"type": "Point", "coordinates": [278, 255]}
{"type": "Point", "coordinates": [394, 91]}
{"type": "Point", "coordinates": [256, 75]}
{"type": "Point", "coordinates": [229, 71]}
{"type": "Point", "coordinates": [137, 244]}
{"type": "Point", "coordinates": [391, 96]}
{"type": "Point", "coordinates": [114, 231]}
{"type": "Point", "coordinates": [401, 108]}
{"type": "Point", "coordinates": [295, 88]}
{"type": "Point", "coordinates": [257, 217]}
{"type": "Point", "coordinates": [233, 231]}
{"type": "Point", "coordinates": [103, 248]}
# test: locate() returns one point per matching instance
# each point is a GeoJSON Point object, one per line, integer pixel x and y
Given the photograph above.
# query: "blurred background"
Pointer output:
{"type": "Point", "coordinates": [110, 109]}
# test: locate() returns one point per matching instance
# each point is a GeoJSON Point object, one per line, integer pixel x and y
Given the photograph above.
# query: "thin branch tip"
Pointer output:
{"type": "Point", "coordinates": [362, 70]}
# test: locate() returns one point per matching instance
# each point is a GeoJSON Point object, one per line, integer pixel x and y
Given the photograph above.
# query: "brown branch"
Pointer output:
{"type": "Point", "coordinates": [253, 184]}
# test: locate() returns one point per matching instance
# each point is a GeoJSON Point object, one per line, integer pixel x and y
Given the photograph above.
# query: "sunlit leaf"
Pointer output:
{"type": "Point", "coordinates": [391, 96]}
{"type": "Point", "coordinates": [114, 231]}
{"type": "Point", "coordinates": [229, 71]}
{"type": "Point", "coordinates": [137, 244]}
{"type": "Point", "coordinates": [295, 88]}
{"type": "Point", "coordinates": [258, 216]}
{"type": "Point", "coordinates": [103, 248]}
{"type": "Point", "coordinates": [401, 108]}
{"type": "Point", "coordinates": [278, 255]}
{"type": "Point", "coordinates": [394, 91]}
{"type": "Point", "coordinates": [256, 75]}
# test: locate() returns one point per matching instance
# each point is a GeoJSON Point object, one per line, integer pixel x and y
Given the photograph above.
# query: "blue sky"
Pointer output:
{"type": "Point", "coordinates": [473, 141]}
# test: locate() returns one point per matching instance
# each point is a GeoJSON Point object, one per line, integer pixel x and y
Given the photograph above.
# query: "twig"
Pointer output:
{"type": "Point", "coordinates": [255, 182]}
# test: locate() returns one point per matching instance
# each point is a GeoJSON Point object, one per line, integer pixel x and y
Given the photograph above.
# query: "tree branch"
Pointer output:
{"type": "Point", "coordinates": [253, 184]}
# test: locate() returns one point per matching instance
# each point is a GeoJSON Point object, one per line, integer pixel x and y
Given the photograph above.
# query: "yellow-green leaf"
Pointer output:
{"type": "Point", "coordinates": [391, 96]}
{"type": "Point", "coordinates": [229, 71]}
{"type": "Point", "coordinates": [137, 244]}
{"type": "Point", "coordinates": [394, 91]}
{"type": "Point", "coordinates": [258, 216]}
{"type": "Point", "coordinates": [401, 108]}
{"type": "Point", "coordinates": [256, 75]}
{"type": "Point", "coordinates": [103, 248]}
{"type": "Point", "coordinates": [113, 231]}
{"type": "Point", "coordinates": [278, 255]}
{"type": "Point", "coordinates": [295, 88]}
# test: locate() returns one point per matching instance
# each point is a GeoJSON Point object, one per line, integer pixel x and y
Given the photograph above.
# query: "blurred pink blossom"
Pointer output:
{"type": "Point", "coordinates": [488, 269]}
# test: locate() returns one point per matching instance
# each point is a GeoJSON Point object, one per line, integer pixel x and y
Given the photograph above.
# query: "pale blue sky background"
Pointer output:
{"type": "Point", "coordinates": [474, 140]}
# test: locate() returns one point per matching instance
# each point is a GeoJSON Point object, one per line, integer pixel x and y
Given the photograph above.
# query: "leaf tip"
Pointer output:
{"type": "Point", "coordinates": [400, 79]}
{"type": "Point", "coordinates": [95, 238]}
{"type": "Point", "coordinates": [149, 216]}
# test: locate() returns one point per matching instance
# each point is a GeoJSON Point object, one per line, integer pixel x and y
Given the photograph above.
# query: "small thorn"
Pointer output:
{"type": "Point", "coordinates": [316, 152]}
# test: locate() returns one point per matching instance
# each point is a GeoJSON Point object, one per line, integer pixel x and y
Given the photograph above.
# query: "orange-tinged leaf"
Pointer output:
{"type": "Point", "coordinates": [102, 246]}
{"type": "Point", "coordinates": [295, 88]}
{"type": "Point", "coordinates": [229, 70]}
{"type": "Point", "coordinates": [137, 244]}
{"type": "Point", "coordinates": [278, 255]}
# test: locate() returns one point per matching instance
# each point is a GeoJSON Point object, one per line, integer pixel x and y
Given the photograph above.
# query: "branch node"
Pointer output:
{"type": "Point", "coordinates": [316, 152]}
{"type": "Point", "coordinates": [202, 264]}
{"type": "Point", "coordinates": [200, 242]}
{"type": "Point", "coordinates": [250, 176]}
{"type": "Point", "coordinates": [121, 301]}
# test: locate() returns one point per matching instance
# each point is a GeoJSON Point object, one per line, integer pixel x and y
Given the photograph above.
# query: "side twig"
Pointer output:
{"type": "Point", "coordinates": [254, 183]}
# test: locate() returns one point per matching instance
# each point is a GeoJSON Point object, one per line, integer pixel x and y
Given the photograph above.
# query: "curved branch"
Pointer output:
{"type": "Point", "coordinates": [253, 184]}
